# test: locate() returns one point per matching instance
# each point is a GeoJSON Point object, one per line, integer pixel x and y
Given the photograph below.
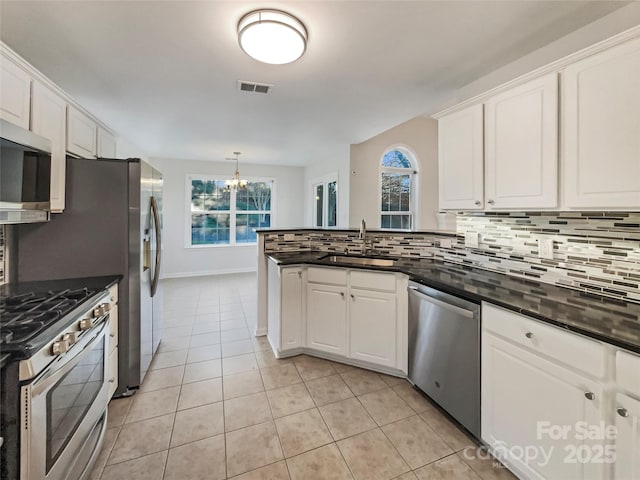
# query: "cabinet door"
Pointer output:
{"type": "Point", "coordinates": [81, 134]}
{"type": "Point", "coordinates": [291, 305]}
{"type": "Point", "coordinates": [327, 318]}
{"type": "Point", "coordinates": [601, 129]}
{"type": "Point", "coordinates": [106, 144]}
{"type": "Point", "coordinates": [113, 372]}
{"type": "Point", "coordinates": [627, 463]}
{"type": "Point", "coordinates": [460, 159]}
{"type": "Point", "coordinates": [523, 396]}
{"type": "Point", "coordinates": [49, 120]}
{"type": "Point", "coordinates": [373, 326]}
{"type": "Point", "coordinates": [521, 135]}
{"type": "Point", "coordinates": [15, 93]}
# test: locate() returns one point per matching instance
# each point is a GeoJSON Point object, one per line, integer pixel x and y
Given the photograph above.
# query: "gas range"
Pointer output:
{"type": "Point", "coordinates": [53, 388]}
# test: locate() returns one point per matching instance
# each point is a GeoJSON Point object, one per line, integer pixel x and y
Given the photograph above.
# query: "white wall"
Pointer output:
{"type": "Point", "coordinates": [335, 163]}
{"type": "Point", "coordinates": [420, 135]}
{"type": "Point", "coordinates": [182, 261]}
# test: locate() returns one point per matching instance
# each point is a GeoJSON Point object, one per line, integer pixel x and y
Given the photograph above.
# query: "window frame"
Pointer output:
{"type": "Point", "coordinates": [324, 181]}
{"type": "Point", "coordinates": [232, 211]}
{"type": "Point", "coordinates": [414, 172]}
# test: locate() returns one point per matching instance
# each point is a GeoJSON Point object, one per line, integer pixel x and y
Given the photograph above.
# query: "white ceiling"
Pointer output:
{"type": "Point", "coordinates": [163, 73]}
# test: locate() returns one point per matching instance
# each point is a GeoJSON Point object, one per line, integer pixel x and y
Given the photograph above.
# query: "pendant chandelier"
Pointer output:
{"type": "Point", "coordinates": [236, 182]}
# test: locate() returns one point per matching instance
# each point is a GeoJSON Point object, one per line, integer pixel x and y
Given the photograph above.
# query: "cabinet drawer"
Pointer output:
{"type": "Point", "coordinates": [572, 349]}
{"type": "Point", "coordinates": [374, 281]}
{"type": "Point", "coordinates": [335, 276]}
{"type": "Point", "coordinates": [628, 372]}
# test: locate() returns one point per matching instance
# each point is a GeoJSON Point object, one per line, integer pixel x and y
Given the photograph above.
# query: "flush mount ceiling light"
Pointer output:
{"type": "Point", "coordinates": [272, 36]}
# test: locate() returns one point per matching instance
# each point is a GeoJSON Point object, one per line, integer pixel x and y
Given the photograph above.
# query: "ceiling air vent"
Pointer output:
{"type": "Point", "coordinates": [254, 87]}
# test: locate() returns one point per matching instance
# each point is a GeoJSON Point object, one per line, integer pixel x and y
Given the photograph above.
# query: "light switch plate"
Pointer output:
{"type": "Point", "coordinates": [472, 239]}
{"type": "Point", "coordinates": [289, 236]}
{"type": "Point", "coordinates": [545, 248]}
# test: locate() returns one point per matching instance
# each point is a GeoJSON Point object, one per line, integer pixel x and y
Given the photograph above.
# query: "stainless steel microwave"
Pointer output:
{"type": "Point", "coordinates": [25, 175]}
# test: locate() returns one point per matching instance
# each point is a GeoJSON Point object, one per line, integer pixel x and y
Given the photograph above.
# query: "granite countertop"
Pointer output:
{"type": "Point", "coordinates": [610, 320]}
{"type": "Point", "coordinates": [92, 283]}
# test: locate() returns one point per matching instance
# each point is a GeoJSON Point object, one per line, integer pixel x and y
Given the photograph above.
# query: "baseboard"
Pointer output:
{"type": "Point", "coordinates": [207, 273]}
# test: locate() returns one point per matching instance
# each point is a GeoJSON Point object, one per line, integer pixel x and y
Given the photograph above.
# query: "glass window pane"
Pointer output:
{"type": "Point", "coordinates": [319, 205]}
{"type": "Point", "coordinates": [209, 195]}
{"type": "Point", "coordinates": [254, 196]}
{"type": "Point", "coordinates": [385, 221]}
{"type": "Point", "coordinates": [210, 229]}
{"type": "Point", "coordinates": [332, 204]}
{"type": "Point", "coordinates": [246, 225]}
{"type": "Point", "coordinates": [396, 159]}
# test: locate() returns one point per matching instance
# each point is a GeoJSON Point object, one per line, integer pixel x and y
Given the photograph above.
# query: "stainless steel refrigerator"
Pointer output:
{"type": "Point", "coordinates": [112, 225]}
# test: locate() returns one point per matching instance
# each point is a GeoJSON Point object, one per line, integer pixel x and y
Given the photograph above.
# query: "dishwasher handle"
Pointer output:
{"type": "Point", "coordinates": [447, 306]}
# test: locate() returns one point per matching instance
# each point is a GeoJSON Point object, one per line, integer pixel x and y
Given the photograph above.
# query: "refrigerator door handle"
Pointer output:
{"type": "Point", "coordinates": [156, 227]}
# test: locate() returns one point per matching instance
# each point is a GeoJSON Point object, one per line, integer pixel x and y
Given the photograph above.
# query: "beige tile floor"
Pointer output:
{"type": "Point", "coordinates": [217, 404]}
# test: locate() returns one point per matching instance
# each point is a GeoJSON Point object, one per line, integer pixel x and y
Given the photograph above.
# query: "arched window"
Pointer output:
{"type": "Point", "coordinates": [397, 189]}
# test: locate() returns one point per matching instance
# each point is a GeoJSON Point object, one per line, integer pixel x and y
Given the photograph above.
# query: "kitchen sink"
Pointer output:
{"type": "Point", "coordinates": [360, 260]}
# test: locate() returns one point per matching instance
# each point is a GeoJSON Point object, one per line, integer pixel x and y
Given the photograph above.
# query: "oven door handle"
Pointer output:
{"type": "Point", "coordinates": [54, 372]}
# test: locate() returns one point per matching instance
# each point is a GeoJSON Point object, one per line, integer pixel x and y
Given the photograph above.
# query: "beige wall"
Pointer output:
{"type": "Point", "coordinates": [420, 135]}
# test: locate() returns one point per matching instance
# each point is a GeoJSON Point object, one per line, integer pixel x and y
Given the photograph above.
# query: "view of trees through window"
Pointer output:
{"type": "Point", "coordinates": [396, 191]}
{"type": "Point", "coordinates": [223, 215]}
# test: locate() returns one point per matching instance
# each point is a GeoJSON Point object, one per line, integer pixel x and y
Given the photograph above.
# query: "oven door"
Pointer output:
{"type": "Point", "coordinates": [64, 412]}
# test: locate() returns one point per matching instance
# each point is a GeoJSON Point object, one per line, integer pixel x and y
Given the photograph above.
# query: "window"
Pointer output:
{"type": "Point", "coordinates": [222, 216]}
{"type": "Point", "coordinates": [325, 202]}
{"type": "Point", "coordinates": [397, 189]}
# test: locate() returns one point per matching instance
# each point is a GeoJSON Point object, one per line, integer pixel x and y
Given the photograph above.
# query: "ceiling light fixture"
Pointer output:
{"type": "Point", "coordinates": [272, 36]}
{"type": "Point", "coordinates": [235, 182]}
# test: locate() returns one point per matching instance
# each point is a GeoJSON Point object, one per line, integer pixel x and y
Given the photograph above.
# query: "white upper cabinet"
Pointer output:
{"type": "Point", "coordinates": [460, 154]}
{"type": "Point", "coordinates": [48, 119]}
{"type": "Point", "coordinates": [601, 129]}
{"type": "Point", "coordinates": [81, 134]}
{"type": "Point", "coordinates": [521, 142]}
{"type": "Point", "coordinates": [15, 93]}
{"type": "Point", "coordinates": [106, 144]}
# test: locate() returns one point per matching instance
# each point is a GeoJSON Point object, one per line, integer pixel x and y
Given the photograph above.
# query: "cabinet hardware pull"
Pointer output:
{"type": "Point", "coordinates": [623, 412]}
{"type": "Point", "coordinates": [353, 296]}
{"type": "Point", "coordinates": [112, 335]}
{"type": "Point", "coordinates": [490, 202]}
{"type": "Point", "coordinates": [528, 335]}
{"type": "Point", "coordinates": [112, 380]}
{"type": "Point", "coordinates": [342, 294]}
{"type": "Point", "coordinates": [299, 274]}
{"type": "Point", "coordinates": [590, 395]}
{"type": "Point", "coordinates": [478, 203]}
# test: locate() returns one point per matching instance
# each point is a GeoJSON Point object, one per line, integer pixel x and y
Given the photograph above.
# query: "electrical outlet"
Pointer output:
{"type": "Point", "coordinates": [445, 243]}
{"type": "Point", "coordinates": [545, 248]}
{"type": "Point", "coordinates": [288, 237]}
{"type": "Point", "coordinates": [472, 239]}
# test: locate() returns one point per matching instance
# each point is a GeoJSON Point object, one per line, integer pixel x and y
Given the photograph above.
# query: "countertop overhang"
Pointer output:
{"type": "Point", "coordinates": [610, 320]}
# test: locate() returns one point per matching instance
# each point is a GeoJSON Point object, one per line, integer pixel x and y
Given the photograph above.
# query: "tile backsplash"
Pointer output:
{"type": "Point", "coordinates": [592, 251]}
{"type": "Point", "coordinates": [596, 252]}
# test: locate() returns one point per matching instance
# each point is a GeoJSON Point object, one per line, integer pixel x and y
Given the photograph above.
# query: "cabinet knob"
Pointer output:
{"type": "Point", "coordinates": [299, 274]}
{"type": "Point", "coordinates": [353, 296]}
{"type": "Point", "coordinates": [623, 412]}
{"type": "Point", "coordinates": [528, 335]}
{"type": "Point", "coordinates": [491, 202]}
{"type": "Point", "coordinates": [112, 335]}
{"type": "Point", "coordinates": [112, 380]}
{"type": "Point", "coordinates": [342, 294]}
{"type": "Point", "coordinates": [478, 203]}
{"type": "Point", "coordinates": [590, 395]}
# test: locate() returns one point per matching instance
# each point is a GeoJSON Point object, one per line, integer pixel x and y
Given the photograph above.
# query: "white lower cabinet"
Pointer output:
{"type": "Point", "coordinates": [526, 399]}
{"type": "Point", "coordinates": [627, 422]}
{"type": "Point", "coordinates": [555, 404]}
{"type": "Point", "coordinates": [373, 326]}
{"type": "Point", "coordinates": [327, 318]}
{"type": "Point", "coordinates": [355, 316]}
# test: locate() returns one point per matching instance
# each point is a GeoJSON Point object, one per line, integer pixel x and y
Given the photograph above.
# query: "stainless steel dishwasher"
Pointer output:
{"type": "Point", "coordinates": [444, 352]}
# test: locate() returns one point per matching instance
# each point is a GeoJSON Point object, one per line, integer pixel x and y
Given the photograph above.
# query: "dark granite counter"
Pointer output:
{"type": "Point", "coordinates": [610, 320]}
{"type": "Point", "coordinates": [92, 283]}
